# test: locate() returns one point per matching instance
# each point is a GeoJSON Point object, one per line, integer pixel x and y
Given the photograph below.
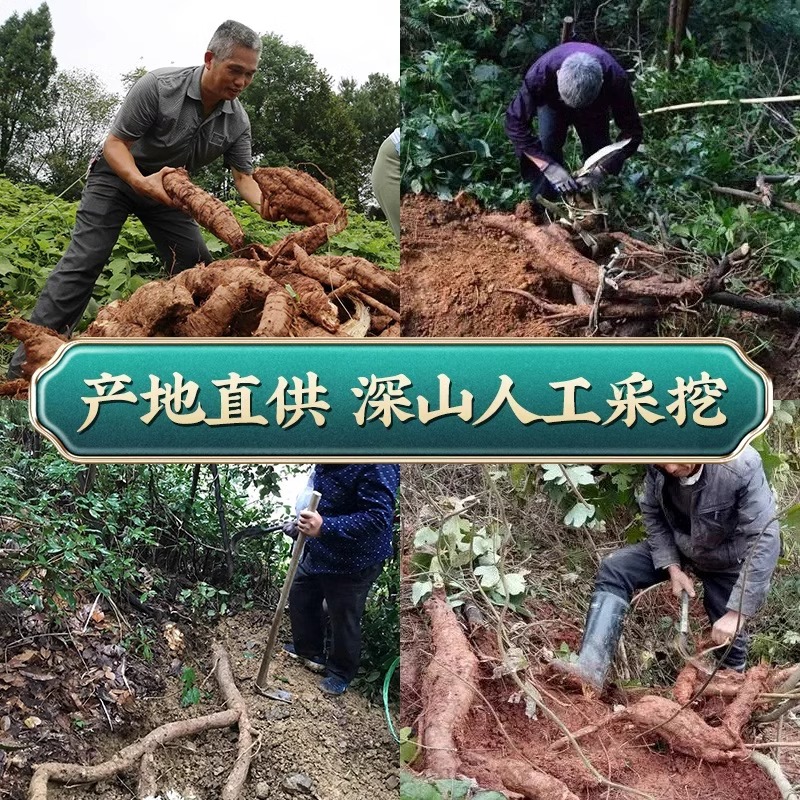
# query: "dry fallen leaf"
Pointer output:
{"type": "Point", "coordinates": [173, 636]}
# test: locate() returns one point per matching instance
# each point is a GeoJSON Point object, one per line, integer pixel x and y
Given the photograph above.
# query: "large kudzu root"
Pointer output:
{"type": "Point", "coordinates": [296, 196]}
{"type": "Point", "coordinates": [309, 240]}
{"type": "Point", "coordinates": [278, 308]}
{"type": "Point", "coordinates": [552, 250]}
{"type": "Point", "coordinates": [214, 318]}
{"type": "Point", "coordinates": [333, 271]}
{"type": "Point", "coordinates": [313, 301]}
{"type": "Point", "coordinates": [448, 689]}
{"type": "Point", "coordinates": [40, 343]}
{"type": "Point", "coordinates": [152, 310]}
{"type": "Point", "coordinates": [209, 212]}
{"type": "Point", "coordinates": [687, 732]}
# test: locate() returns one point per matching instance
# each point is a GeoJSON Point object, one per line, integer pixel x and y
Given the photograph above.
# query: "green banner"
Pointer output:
{"type": "Point", "coordinates": [403, 399]}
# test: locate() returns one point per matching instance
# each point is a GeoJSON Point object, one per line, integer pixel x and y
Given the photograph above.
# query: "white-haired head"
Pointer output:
{"type": "Point", "coordinates": [231, 34]}
{"type": "Point", "coordinates": [579, 79]}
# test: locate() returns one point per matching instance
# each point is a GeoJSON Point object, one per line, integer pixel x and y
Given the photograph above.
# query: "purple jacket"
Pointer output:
{"type": "Point", "coordinates": [539, 88]}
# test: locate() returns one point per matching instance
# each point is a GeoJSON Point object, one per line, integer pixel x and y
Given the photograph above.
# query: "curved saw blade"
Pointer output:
{"type": "Point", "coordinates": [599, 158]}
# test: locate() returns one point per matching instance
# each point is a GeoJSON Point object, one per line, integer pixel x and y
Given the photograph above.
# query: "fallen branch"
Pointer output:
{"type": "Point", "coordinates": [753, 197]}
{"type": "Point", "coordinates": [751, 101]}
{"type": "Point", "coordinates": [785, 311]}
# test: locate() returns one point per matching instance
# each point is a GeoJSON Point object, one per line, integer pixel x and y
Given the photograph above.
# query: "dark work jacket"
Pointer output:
{"type": "Point", "coordinates": [540, 88]}
{"type": "Point", "coordinates": [731, 506]}
{"type": "Point", "coordinates": [357, 510]}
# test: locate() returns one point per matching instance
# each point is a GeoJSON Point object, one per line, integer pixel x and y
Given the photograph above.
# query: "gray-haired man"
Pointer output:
{"type": "Point", "coordinates": [714, 521]}
{"type": "Point", "coordinates": [184, 117]}
{"type": "Point", "coordinates": [575, 84]}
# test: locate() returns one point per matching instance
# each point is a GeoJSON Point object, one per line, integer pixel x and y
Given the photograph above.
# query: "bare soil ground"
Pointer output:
{"type": "Point", "coordinates": [457, 270]}
{"type": "Point", "coordinates": [497, 730]}
{"type": "Point", "coordinates": [341, 745]}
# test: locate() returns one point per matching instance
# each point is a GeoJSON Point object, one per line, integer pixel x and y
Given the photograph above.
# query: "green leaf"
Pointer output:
{"type": "Point", "coordinates": [514, 583]}
{"type": "Point", "coordinates": [791, 517]}
{"type": "Point", "coordinates": [579, 514]}
{"type": "Point", "coordinates": [451, 789]}
{"type": "Point", "coordinates": [420, 590]}
{"type": "Point", "coordinates": [489, 576]}
{"type": "Point", "coordinates": [426, 537]}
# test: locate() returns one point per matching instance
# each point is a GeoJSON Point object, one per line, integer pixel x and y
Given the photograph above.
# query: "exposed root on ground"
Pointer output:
{"type": "Point", "coordinates": [139, 755]}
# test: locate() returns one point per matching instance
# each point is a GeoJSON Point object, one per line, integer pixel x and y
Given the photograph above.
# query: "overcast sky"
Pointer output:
{"type": "Point", "coordinates": [348, 39]}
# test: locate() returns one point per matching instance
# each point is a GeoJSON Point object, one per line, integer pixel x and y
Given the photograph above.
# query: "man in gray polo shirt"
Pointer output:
{"type": "Point", "coordinates": [171, 118]}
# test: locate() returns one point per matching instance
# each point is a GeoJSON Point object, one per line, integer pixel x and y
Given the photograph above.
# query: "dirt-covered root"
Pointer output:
{"type": "Point", "coordinates": [296, 196]}
{"type": "Point", "coordinates": [215, 316]}
{"type": "Point", "coordinates": [687, 732]}
{"type": "Point", "coordinates": [554, 251]}
{"type": "Point", "coordinates": [16, 389]}
{"type": "Point", "coordinates": [522, 778]}
{"type": "Point", "coordinates": [278, 316]}
{"type": "Point", "coordinates": [134, 756]}
{"type": "Point", "coordinates": [313, 301]}
{"type": "Point", "coordinates": [152, 310]}
{"type": "Point", "coordinates": [335, 271]}
{"type": "Point", "coordinates": [209, 212]}
{"type": "Point", "coordinates": [309, 239]}
{"type": "Point", "coordinates": [40, 343]}
{"type": "Point", "coordinates": [684, 730]}
{"type": "Point", "coordinates": [449, 689]}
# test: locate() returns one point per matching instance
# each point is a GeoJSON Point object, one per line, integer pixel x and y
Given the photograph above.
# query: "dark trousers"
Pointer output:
{"type": "Point", "coordinates": [105, 204]}
{"type": "Point", "coordinates": [593, 131]}
{"type": "Point", "coordinates": [631, 569]}
{"type": "Point", "coordinates": [345, 597]}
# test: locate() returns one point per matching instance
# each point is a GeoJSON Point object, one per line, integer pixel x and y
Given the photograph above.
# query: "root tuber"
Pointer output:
{"type": "Point", "coordinates": [209, 212]}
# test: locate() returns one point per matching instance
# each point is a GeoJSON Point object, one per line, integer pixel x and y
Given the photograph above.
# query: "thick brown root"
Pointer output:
{"type": "Point", "coordinates": [217, 313]}
{"type": "Point", "coordinates": [40, 343]}
{"type": "Point", "coordinates": [278, 315]}
{"type": "Point", "coordinates": [334, 271]}
{"type": "Point", "coordinates": [520, 777]}
{"type": "Point", "coordinates": [152, 310]}
{"type": "Point", "coordinates": [209, 212]}
{"type": "Point", "coordinates": [449, 689]}
{"type": "Point", "coordinates": [313, 301]}
{"type": "Point", "coordinates": [309, 239]}
{"type": "Point", "coordinates": [554, 251]}
{"type": "Point", "coordinates": [296, 196]}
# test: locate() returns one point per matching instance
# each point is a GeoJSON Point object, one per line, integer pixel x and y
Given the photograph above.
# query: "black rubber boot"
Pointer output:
{"type": "Point", "coordinates": [600, 638]}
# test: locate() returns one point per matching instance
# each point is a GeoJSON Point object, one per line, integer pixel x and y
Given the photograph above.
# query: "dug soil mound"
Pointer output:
{"type": "Point", "coordinates": [315, 747]}
{"type": "Point", "coordinates": [474, 719]}
{"type": "Point", "coordinates": [470, 272]}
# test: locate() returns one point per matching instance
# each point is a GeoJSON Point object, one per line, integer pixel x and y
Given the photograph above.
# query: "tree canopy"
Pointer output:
{"type": "Point", "coordinates": [26, 68]}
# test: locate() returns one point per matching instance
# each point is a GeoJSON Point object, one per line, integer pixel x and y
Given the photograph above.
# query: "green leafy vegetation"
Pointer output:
{"type": "Point", "coordinates": [141, 537]}
{"type": "Point", "coordinates": [414, 788]}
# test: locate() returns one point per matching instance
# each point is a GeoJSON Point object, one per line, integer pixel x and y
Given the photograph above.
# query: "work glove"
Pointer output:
{"type": "Point", "coordinates": [592, 179]}
{"type": "Point", "coordinates": [560, 179]}
{"type": "Point", "coordinates": [290, 529]}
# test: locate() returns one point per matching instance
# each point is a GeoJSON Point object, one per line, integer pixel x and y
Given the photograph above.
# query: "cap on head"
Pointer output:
{"type": "Point", "coordinates": [579, 79]}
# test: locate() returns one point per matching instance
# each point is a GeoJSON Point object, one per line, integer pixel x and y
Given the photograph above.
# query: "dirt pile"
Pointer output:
{"type": "Point", "coordinates": [468, 272]}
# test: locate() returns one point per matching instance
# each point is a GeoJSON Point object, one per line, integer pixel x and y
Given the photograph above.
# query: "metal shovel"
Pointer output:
{"type": "Point", "coordinates": [682, 639]}
{"type": "Point", "coordinates": [263, 672]}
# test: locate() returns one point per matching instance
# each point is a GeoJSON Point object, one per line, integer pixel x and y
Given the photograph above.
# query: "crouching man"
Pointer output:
{"type": "Point", "coordinates": [712, 522]}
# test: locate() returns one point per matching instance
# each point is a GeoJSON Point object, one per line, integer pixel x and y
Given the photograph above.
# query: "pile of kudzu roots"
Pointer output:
{"type": "Point", "coordinates": [279, 291]}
